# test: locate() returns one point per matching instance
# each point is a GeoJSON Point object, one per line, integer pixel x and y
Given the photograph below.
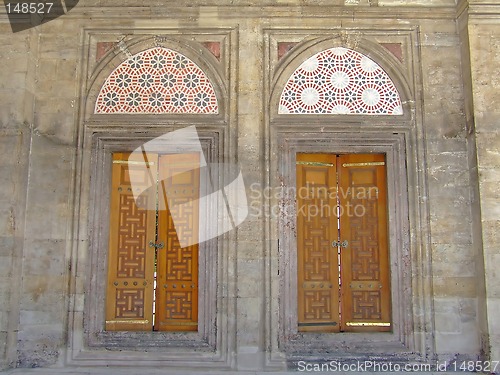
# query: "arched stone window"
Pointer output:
{"type": "Point", "coordinates": [137, 94]}
{"type": "Point", "coordinates": [339, 125]}
{"type": "Point", "coordinates": [158, 80]}
{"type": "Point", "coordinates": [340, 81]}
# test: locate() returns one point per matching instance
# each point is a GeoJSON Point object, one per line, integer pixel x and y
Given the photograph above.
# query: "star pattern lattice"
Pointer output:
{"type": "Point", "coordinates": [157, 80]}
{"type": "Point", "coordinates": [340, 81]}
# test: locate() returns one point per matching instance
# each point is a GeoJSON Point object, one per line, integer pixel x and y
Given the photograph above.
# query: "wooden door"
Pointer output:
{"type": "Point", "coordinates": [365, 272]}
{"type": "Point", "coordinates": [129, 303]}
{"type": "Point", "coordinates": [342, 247]}
{"type": "Point", "coordinates": [317, 260]}
{"type": "Point", "coordinates": [177, 267]}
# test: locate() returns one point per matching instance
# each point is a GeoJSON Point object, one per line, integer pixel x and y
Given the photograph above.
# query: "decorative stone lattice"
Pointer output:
{"type": "Point", "coordinates": [158, 80]}
{"type": "Point", "coordinates": [340, 81]}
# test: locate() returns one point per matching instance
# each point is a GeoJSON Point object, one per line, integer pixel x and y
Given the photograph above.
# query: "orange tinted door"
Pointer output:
{"type": "Point", "coordinates": [365, 289]}
{"type": "Point", "coordinates": [177, 266]}
{"type": "Point", "coordinates": [318, 288]}
{"type": "Point", "coordinates": [129, 303]}
{"type": "Point", "coordinates": [342, 198]}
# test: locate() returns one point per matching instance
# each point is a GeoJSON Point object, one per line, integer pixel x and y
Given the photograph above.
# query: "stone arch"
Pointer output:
{"type": "Point", "coordinates": [157, 80]}
{"type": "Point", "coordinates": [344, 133]}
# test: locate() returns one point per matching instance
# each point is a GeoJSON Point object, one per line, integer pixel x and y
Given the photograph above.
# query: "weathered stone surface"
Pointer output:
{"type": "Point", "coordinates": [452, 161]}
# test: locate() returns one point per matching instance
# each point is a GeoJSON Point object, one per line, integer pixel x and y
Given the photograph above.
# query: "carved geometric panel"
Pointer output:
{"type": "Point", "coordinates": [179, 177]}
{"type": "Point", "coordinates": [318, 305]}
{"type": "Point", "coordinates": [129, 303]}
{"type": "Point", "coordinates": [317, 227]}
{"type": "Point", "coordinates": [340, 81]}
{"type": "Point", "coordinates": [365, 261]}
{"type": "Point", "coordinates": [131, 261]}
{"type": "Point", "coordinates": [132, 241]}
{"type": "Point", "coordinates": [366, 305]}
{"type": "Point", "coordinates": [179, 305]}
{"type": "Point", "coordinates": [157, 80]}
{"type": "Point", "coordinates": [364, 245]}
{"type": "Point", "coordinates": [342, 287]}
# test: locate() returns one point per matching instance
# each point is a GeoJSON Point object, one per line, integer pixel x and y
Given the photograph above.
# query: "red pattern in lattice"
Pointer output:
{"type": "Point", "coordinates": [340, 81]}
{"type": "Point", "coordinates": [158, 80]}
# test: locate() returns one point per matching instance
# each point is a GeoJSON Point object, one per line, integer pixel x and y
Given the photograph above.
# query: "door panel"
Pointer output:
{"type": "Point", "coordinates": [342, 198]}
{"type": "Point", "coordinates": [177, 267]}
{"type": "Point", "coordinates": [365, 289]}
{"type": "Point", "coordinates": [318, 288]}
{"type": "Point", "coordinates": [129, 303]}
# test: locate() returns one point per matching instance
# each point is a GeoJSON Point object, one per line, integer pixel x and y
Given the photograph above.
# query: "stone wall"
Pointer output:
{"type": "Point", "coordinates": [43, 107]}
{"type": "Point", "coordinates": [16, 119]}
{"type": "Point", "coordinates": [484, 34]}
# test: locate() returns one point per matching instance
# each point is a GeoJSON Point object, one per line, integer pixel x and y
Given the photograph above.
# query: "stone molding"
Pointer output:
{"type": "Point", "coordinates": [401, 138]}
{"type": "Point", "coordinates": [99, 135]}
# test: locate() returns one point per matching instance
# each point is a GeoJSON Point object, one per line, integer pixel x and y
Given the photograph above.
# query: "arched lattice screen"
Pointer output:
{"type": "Point", "coordinates": [157, 80]}
{"type": "Point", "coordinates": [340, 81]}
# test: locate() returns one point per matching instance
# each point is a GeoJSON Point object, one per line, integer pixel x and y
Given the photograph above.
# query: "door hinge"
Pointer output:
{"type": "Point", "coordinates": [343, 244]}
{"type": "Point", "coordinates": [367, 324]}
{"type": "Point", "coordinates": [367, 164]}
{"type": "Point", "coordinates": [315, 163]}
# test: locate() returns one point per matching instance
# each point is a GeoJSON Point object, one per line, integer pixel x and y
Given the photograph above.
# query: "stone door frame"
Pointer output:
{"type": "Point", "coordinates": [401, 138]}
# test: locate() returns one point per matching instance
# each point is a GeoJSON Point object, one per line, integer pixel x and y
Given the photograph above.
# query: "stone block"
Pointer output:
{"type": "Point", "coordinates": [454, 286]}
{"type": "Point", "coordinates": [7, 220]}
{"type": "Point", "coordinates": [452, 198]}
{"type": "Point", "coordinates": [4, 318]}
{"type": "Point", "coordinates": [7, 245]}
{"type": "Point", "coordinates": [250, 278]}
{"type": "Point", "coordinates": [39, 351]}
{"type": "Point", "coordinates": [47, 70]}
{"type": "Point", "coordinates": [490, 236]}
{"type": "Point", "coordinates": [38, 318]}
{"type": "Point", "coordinates": [446, 323]}
{"type": "Point", "coordinates": [450, 224]}
{"type": "Point", "coordinates": [464, 342]}
{"type": "Point", "coordinates": [45, 257]}
{"type": "Point", "coordinates": [56, 126]}
{"type": "Point", "coordinates": [249, 315]}
{"type": "Point", "coordinates": [44, 293]}
{"type": "Point", "coordinates": [67, 70]}
{"type": "Point", "coordinates": [487, 121]}
{"type": "Point", "coordinates": [453, 260]}
{"type": "Point", "coordinates": [488, 148]}
{"type": "Point", "coordinates": [5, 265]}
{"type": "Point", "coordinates": [3, 346]}
{"type": "Point", "coordinates": [15, 80]}
{"type": "Point", "coordinates": [440, 122]}
{"type": "Point", "coordinates": [449, 147]}
{"type": "Point", "coordinates": [490, 208]}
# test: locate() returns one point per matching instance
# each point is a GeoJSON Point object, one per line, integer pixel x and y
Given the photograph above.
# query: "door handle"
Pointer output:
{"type": "Point", "coordinates": [161, 245]}
{"type": "Point", "coordinates": [343, 244]}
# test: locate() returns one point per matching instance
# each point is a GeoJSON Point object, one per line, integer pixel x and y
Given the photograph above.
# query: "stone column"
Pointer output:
{"type": "Point", "coordinates": [484, 39]}
{"type": "Point", "coordinates": [250, 249]}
